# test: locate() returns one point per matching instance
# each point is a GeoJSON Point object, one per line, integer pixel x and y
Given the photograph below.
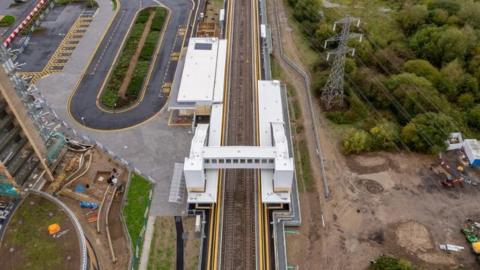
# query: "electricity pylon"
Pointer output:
{"type": "Point", "coordinates": [332, 93]}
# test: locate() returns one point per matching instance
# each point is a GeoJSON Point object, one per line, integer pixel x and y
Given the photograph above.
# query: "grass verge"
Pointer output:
{"type": "Point", "coordinates": [302, 157]}
{"type": "Point", "coordinates": [138, 200]}
{"type": "Point", "coordinates": [110, 97]}
{"type": "Point", "coordinates": [162, 252]}
{"type": "Point", "coordinates": [27, 244]}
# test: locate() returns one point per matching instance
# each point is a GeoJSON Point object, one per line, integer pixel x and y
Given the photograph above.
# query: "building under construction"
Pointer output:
{"type": "Point", "coordinates": [29, 142]}
{"type": "Point", "coordinates": [39, 156]}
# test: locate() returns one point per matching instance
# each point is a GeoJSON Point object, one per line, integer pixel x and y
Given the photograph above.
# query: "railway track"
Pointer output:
{"type": "Point", "coordinates": [238, 241]}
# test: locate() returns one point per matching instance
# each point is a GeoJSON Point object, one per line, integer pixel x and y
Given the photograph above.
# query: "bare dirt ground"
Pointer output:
{"type": "Point", "coordinates": [101, 163]}
{"type": "Point", "coordinates": [381, 203]}
{"type": "Point", "coordinates": [134, 60]}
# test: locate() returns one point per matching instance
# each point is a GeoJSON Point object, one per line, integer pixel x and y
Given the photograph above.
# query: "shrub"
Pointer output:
{"type": "Point", "coordinates": [466, 100]}
{"type": "Point", "coordinates": [356, 141]}
{"type": "Point", "coordinates": [149, 46]}
{"type": "Point", "coordinates": [412, 17]}
{"type": "Point", "coordinates": [110, 96]}
{"type": "Point", "coordinates": [158, 20]}
{"type": "Point", "coordinates": [422, 68]}
{"type": "Point", "coordinates": [136, 83]}
{"type": "Point", "coordinates": [385, 135]}
{"type": "Point", "coordinates": [473, 117]}
{"type": "Point", "coordinates": [427, 132]}
{"type": "Point", "coordinates": [142, 16]}
{"type": "Point", "coordinates": [390, 263]}
{"type": "Point", "coordinates": [7, 20]}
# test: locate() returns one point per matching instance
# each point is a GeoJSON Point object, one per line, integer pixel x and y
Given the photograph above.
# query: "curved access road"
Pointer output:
{"type": "Point", "coordinates": [83, 103]}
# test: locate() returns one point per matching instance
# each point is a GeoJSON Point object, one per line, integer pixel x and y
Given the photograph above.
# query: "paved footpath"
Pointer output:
{"type": "Point", "coordinates": [152, 147]}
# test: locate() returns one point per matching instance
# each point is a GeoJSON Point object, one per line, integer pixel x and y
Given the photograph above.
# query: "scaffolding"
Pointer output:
{"type": "Point", "coordinates": [43, 117]}
{"type": "Point", "coordinates": [8, 186]}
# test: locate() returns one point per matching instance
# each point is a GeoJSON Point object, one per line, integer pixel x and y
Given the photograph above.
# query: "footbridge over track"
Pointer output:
{"type": "Point", "coordinates": [275, 157]}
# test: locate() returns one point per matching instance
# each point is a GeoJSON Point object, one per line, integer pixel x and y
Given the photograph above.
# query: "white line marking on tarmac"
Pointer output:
{"type": "Point", "coordinates": [109, 41]}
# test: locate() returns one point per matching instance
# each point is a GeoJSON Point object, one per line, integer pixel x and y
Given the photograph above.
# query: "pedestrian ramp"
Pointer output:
{"type": "Point", "coordinates": [177, 185]}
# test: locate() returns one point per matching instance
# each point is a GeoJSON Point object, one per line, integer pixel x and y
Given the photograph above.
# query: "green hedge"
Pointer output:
{"type": "Point", "coordinates": [7, 20]}
{"type": "Point", "coordinates": [110, 95]}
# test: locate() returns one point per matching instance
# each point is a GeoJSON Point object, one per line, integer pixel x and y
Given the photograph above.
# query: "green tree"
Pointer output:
{"type": "Point", "coordinates": [466, 100]}
{"type": "Point", "coordinates": [473, 117]}
{"type": "Point", "coordinates": [473, 65]}
{"type": "Point", "coordinates": [385, 135]}
{"type": "Point", "coordinates": [470, 13]}
{"type": "Point", "coordinates": [427, 132]}
{"type": "Point", "coordinates": [356, 141]}
{"type": "Point", "coordinates": [389, 60]}
{"type": "Point", "coordinates": [322, 33]}
{"type": "Point", "coordinates": [450, 6]}
{"type": "Point", "coordinates": [415, 94]}
{"type": "Point", "coordinates": [468, 84]}
{"type": "Point", "coordinates": [412, 17]}
{"type": "Point", "coordinates": [422, 68]}
{"type": "Point", "coordinates": [307, 10]}
{"type": "Point", "coordinates": [439, 16]}
{"type": "Point", "coordinates": [452, 76]}
{"type": "Point", "coordinates": [442, 44]}
{"type": "Point", "coordinates": [454, 42]}
{"type": "Point", "coordinates": [370, 82]}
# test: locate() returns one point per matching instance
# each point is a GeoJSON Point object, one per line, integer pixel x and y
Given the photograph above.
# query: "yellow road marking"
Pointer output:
{"type": "Point", "coordinates": [174, 56]}
{"type": "Point", "coordinates": [182, 31]}
{"type": "Point", "coordinates": [61, 55]}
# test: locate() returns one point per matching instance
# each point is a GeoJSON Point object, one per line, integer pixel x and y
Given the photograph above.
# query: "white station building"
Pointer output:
{"type": "Point", "coordinates": [272, 157]}
{"type": "Point", "coordinates": [200, 77]}
{"type": "Point", "coordinates": [198, 89]}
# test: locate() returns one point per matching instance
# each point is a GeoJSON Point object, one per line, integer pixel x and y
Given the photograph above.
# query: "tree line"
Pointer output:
{"type": "Point", "coordinates": [410, 86]}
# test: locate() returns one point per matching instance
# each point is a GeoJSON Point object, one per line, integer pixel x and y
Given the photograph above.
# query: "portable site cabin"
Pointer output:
{"type": "Point", "coordinates": [455, 141]}
{"type": "Point", "coordinates": [472, 150]}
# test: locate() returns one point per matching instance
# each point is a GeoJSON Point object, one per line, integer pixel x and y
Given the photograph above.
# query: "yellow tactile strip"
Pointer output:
{"type": "Point", "coordinates": [61, 56]}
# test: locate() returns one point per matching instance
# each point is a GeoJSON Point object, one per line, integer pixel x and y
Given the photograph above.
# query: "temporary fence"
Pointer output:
{"type": "Point", "coordinates": [32, 16]}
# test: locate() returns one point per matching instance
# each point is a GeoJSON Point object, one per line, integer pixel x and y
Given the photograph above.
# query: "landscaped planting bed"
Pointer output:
{"type": "Point", "coordinates": [7, 20]}
{"type": "Point", "coordinates": [136, 81]}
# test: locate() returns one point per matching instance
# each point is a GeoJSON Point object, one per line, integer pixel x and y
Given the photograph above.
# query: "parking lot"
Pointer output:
{"type": "Point", "coordinates": [45, 41]}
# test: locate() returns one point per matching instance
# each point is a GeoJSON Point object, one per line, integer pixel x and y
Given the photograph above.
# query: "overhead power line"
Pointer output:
{"type": "Point", "coordinates": [332, 93]}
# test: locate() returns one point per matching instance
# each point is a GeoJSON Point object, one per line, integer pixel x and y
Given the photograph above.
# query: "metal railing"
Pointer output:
{"type": "Point", "coordinates": [76, 225]}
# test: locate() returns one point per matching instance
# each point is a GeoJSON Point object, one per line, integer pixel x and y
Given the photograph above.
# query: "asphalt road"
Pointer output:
{"type": "Point", "coordinates": [83, 105]}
